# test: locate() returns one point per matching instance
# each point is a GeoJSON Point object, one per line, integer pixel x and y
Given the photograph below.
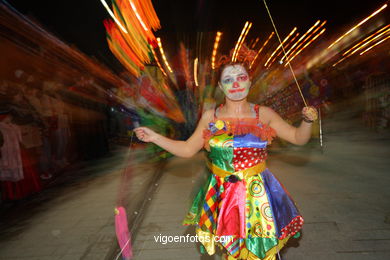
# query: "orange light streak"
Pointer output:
{"type": "Point", "coordinates": [280, 45]}
{"type": "Point", "coordinates": [163, 54]}
{"type": "Point", "coordinates": [216, 43]}
{"type": "Point", "coordinates": [113, 16]}
{"type": "Point", "coordinates": [138, 16]}
{"type": "Point", "coordinates": [359, 24]}
{"type": "Point", "coordinates": [385, 39]}
{"type": "Point", "coordinates": [305, 40]}
{"type": "Point", "coordinates": [362, 46]}
{"type": "Point", "coordinates": [242, 41]}
{"type": "Point", "coordinates": [300, 39]}
{"type": "Point", "coordinates": [367, 40]}
{"type": "Point", "coordinates": [265, 43]}
{"type": "Point", "coordinates": [307, 44]}
{"type": "Point", "coordinates": [239, 40]}
{"type": "Point", "coordinates": [281, 51]}
{"type": "Point", "coordinates": [196, 71]}
{"type": "Point", "coordinates": [254, 44]}
{"type": "Point", "coordinates": [158, 63]}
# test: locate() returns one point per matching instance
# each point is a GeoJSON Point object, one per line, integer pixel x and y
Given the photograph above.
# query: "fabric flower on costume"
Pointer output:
{"type": "Point", "coordinates": [218, 125]}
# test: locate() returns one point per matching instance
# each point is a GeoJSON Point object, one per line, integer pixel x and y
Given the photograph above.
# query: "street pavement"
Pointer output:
{"type": "Point", "coordinates": [74, 217]}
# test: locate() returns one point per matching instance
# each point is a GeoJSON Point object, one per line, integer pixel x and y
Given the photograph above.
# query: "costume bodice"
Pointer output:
{"type": "Point", "coordinates": [237, 144]}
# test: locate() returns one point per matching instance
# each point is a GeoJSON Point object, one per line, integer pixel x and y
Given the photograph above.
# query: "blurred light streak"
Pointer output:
{"type": "Point", "coordinates": [297, 49]}
{"type": "Point", "coordinates": [262, 47]}
{"type": "Point", "coordinates": [281, 51]}
{"type": "Point", "coordinates": [307, 44]}
{"type": "Point", "coordinates": [158, 63]}
{"type": "Point", "coordinates": [138, 16]}
{"type": "Point", "coordinates": [216, 43]}
{"type": "Point", "coordinates": [113, 16]}
{"type": "Point", "coordinates": [196, 71]}
{"type": "Point", "coordinates": [163, 54]}
{"type": "Point", "coordinates": [367, 40]}
{"type": "Point", "coordinates": [254, 44]}
{"type": "Point", "coordinates": [239, 40]}
{"type": "Point", "coordinates": [362, 46]}
{"type": "Point", "coordinates": [242, 41]}
{"type": "Point", "coordinates": [359, 24]}
{"type": "Point", "coordinates": [340, 60]}
{"type": "Point", "coordinates": [280, 45]}
{"type": "Point", "coordinates": [300, 39]}
{"type": "Point", "coordinates": [376, 44]}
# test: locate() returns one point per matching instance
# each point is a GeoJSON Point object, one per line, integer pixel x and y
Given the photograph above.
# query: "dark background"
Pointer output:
{"type": "Point", "coordinates": [79, 23]}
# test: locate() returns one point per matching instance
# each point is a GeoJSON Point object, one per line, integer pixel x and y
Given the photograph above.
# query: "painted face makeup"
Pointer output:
{"type": "Point", "coordinates": [235, 82]}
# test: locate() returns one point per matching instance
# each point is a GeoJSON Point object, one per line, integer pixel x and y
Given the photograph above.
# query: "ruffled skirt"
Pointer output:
{"type": "Point", "coordinates": [251, 218]}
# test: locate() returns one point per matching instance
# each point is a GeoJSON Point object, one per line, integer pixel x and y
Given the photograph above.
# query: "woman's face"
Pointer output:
{"type": "Point", "coordinates": [235, 82]}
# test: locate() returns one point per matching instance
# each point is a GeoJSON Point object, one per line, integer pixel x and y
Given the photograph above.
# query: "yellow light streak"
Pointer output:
{"type": "Point", "coordinates": [375, 38]}
{"type": "Point", "coordinates": [239, 39]}
{"type": "Point", "coordinates": [216, 43]}
{"type": "Point", "coordinates": [242, 41]}
{"type": "Point", "coordinates": [254, 44]}
{"type": "Point", "coordinates": [281, 51]}
{"type": "Point", "coordinates": [359, 24]}
{"type": "Point", "coordinates": [300, 39]}
{"type": "Point", "coordinates": [367, 40]}
{"type": "Point", "coordinates": [113, 16]}
{"type": "Point", "coordinates": [305, 40]}
{"type": "Point", "coordinates": [307, 44]}
{"type": "Point", "coordinates": [262, 47]}
{"type": "Point", "coordinates": [196, 72]}
{"type": "Point", "coordinates": [158, 63]}
{"type": "Point", "coordinates": [280, 45]}
{"type": "Point", "coordinates": [138, 16]}
{"type": "Point", "coordinates": [385, 39]}
{"type": "Point", "coordinates": [340, 61]}
{"type": "Point", "coordinates": [163, 54]}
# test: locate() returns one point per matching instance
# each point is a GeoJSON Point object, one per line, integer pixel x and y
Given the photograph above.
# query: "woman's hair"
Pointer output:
{"type": "Point", "coordinates": [243, 57]}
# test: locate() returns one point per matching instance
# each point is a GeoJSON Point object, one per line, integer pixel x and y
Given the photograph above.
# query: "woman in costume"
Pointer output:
{"type": "Point", "coordinates": [242, 201]}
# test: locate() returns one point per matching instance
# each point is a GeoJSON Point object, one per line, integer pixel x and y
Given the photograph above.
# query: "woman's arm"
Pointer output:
{"type": "Point", "coordinates": [184, 149]}
{"type": "Point", "coordinates": [295, 135]}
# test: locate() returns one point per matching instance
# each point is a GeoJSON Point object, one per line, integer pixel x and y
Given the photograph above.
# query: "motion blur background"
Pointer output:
{"type": "Point", "coordinates": [75, 80]}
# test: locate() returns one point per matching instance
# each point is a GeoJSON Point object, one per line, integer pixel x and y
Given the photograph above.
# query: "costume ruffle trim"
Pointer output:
{"type": "Point", "coordinates": [239, 127]}
{"type": "Point", "coordinates": [236, 248]}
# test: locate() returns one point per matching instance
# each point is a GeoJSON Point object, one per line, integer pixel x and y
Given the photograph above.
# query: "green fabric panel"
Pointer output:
{"type": "Point", "coordinates": [195, 210]}
{"type": "Point", "coordinates": [260, 245]}
{"type": "Point", "coordinates": [221, 151]}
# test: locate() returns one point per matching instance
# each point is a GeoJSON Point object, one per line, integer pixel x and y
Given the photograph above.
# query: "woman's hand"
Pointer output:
{"type": "Point", "coordinates": [309, 114]}
{"type": "Point", "coordinates": [145, 134]}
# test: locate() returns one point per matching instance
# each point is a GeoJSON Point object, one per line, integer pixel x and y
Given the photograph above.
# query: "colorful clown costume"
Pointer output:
{"type": "Point", "coordinates": [242, 206]}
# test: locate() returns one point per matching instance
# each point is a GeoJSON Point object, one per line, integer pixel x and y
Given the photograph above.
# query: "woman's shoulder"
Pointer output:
{"type": "Point", "coordinates": [208, 115]}
{"type": "Point", "coordinates": [264, 108]}
{"type": "Point", "coordinates": [266, 114]}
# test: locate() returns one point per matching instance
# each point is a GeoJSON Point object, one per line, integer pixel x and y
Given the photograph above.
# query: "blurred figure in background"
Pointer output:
{"type": "Point", "coordinates": [18, 175]}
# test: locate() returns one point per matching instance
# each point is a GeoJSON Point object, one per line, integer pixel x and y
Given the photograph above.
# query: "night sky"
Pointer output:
{"type": "Point", "coordinates": [79, 23]}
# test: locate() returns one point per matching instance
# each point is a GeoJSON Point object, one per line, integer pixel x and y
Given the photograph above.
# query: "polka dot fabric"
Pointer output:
{"type": "Point", "coordinates": [293, 227]}
{"type": "Point", "coordinates": [245, 157]}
